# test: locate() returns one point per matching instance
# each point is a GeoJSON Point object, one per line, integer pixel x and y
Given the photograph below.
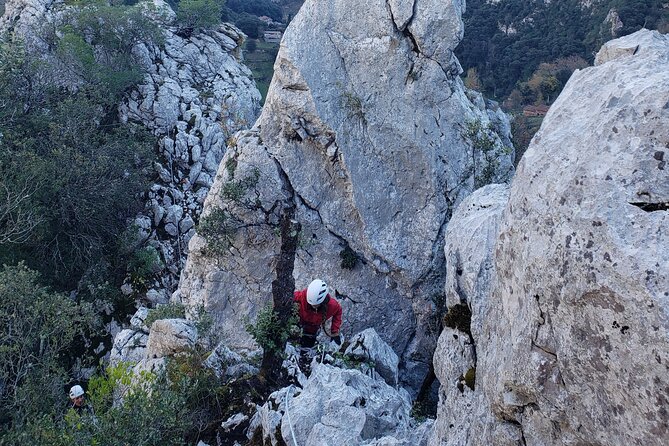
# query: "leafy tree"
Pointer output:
{"type": "Point", "coordinates": [38, 328]}
{"type": "Point", "coordinates": [195, 15]}
{"type": "Point", "coordinates": [70, 172]}
{"type": "Point", "coordinates": [249, 25]}
{"type": "Point", "coordinates": [257, 8]}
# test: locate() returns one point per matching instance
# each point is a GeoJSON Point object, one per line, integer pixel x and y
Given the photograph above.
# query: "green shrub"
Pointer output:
{"type": "Point", "coordinates": [144, 264]}
{"type": "Point", "coordinates": [194, 15]}
{"type": "Point", "coordinates": [167, 311]}
{"type": "Point", "coordinates": [459, 317]}
{"type": "Point", "coordinates": [219, 227]}
{"type": "Point", "coordinates": [348, 258]}
{"type": "Point", "coordinates": [486, 154]}
{"type": "Point", "coordinates": [268, 332]}
{"type": "Point", "coordinates": [78, 173]}
{"type": "Point", "coordinates": [38, 328]}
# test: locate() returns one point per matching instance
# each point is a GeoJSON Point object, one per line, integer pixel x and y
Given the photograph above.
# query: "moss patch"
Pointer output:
{"type": "Point", "coordinates": [348, 258]}
{"type": "Point", "coordinates": [459, 317]}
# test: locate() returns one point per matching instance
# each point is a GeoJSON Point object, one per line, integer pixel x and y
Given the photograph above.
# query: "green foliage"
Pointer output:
{"type": "Point", "coordinates": [219, 227]}
{"type": "Point", "coordinates": [419, 411]}
{"type": "Point", "coordinates": [353, 104]}
{"type": "Point", "coordinates": [506, 41]}
{"type": "Point", "coordinates": [144, 264]}
{"type": "Point", "coordinates": [70, 172]}
{"type": "Point", "coordinates": [256, 7]}
{"type": "Point", "coordinates": [261, 63]}
{"type": "Point", "coordinates": [523, 129]}
{"type": "Point", "coordinates": [166, 311]}
{"type": "Point", "coordinates": [195, 15]}
{"type": "Point", "coordinates": [470, 377]}
{"type": "Point", "coordinates": [268, 332]}
{"type": "Point", "coordinates": [236, 190]}
{"type": "Point", "coordinates": [486, 154]}
{"type": "Point", "coordinates": [37, 329]}
{"type": "Point", "coordinates": [348, 257]}
{"type": "Point", "coordinates": [250, 25]}
{"type": "Point", "coordinates": [251, 45]}
{"type": "Point", "coordinates": [96, 46]}
{"type": "Point", "coordinates": [145, 410]}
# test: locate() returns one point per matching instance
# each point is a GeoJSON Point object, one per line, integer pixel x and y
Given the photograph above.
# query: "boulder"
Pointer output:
{"type": "Point", "coordinates": [368, 346]}
{"type": "Point", "coordinates": [156, 297]}
{"type": "Point", "coordinates": [338, 406]}
{"type": "Point", "coordinates": [170, 336]}
{"type": "Point", "coordinates": [137, 320]}
{"type": "Point", "coordinates": [227, 363]}
{"type": "Point", "coordinates": [129, 346]}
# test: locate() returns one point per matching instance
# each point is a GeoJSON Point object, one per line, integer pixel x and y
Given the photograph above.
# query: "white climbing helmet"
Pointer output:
{"type": "Point", "coordinates": [317, 292]}
{"type": "Point", "coordinates": [76, 391]}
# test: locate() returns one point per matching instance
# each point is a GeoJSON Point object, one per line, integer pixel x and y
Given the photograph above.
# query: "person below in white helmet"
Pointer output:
{"type": "Point", "coordinates": [318, 309]}
{"type": "Point", "coordinates": [78, 401]}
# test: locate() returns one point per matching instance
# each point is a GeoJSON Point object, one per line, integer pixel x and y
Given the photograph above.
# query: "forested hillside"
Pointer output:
{"type": "Point", "coordinates": [506, 40]}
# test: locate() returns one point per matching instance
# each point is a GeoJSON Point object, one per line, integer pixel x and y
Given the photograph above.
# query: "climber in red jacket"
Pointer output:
{"type": "Point", "coordinates": [317, 308]}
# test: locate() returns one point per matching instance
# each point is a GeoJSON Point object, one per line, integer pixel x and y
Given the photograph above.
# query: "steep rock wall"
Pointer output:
{"type": "Point", "coordinates": [364, 131]}
{"type": "Point", "coordinates": [574, 345]}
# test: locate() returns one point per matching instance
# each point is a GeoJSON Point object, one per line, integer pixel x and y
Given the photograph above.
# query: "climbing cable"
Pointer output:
{"type": "Point", "coordinates": [290, 424]}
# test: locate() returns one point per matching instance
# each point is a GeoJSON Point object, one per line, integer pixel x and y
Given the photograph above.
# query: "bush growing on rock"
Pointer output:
{"type": "Point", "coordinates": [485, 155]}
{"type": "Point", "coordinates": [195, 15]}
{"type": "Point", "coordinates": [167, 311]}
{"type": "Point", "coordinates": [269, 332]}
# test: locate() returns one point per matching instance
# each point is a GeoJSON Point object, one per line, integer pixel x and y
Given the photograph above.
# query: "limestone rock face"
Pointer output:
{"type": "Point", "coordinates": [196, 94]}
{"type": "Point", "coordinates": [363, 131]}
{"type": "Point", "coordinates": [465, 412]}
{"type": "Point", "coordinates": [129, 346]}
{"type": "Point", "coordinates": [340, 406]}
{"type": "Point", "coordinates": [573, 346]}
{"type": "Point", "coordinates": [170, 336]}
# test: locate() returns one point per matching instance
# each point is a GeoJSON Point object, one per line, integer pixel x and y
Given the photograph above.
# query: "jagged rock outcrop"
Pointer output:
{"type": "Point", "coordinates": [573, 347]}
{"type": "Point", "coordinates": [364, 131]}
{"type": "Point", "coordinates": [337, 405]}
{"type": "Point", "coordinates": [368, 346]}
{"type": "Point", "coordinates": [196, 93]}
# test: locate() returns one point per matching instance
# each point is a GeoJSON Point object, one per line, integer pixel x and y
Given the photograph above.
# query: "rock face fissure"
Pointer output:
{"type": "Point", "coordinates": [652, 207]}
{"type": "Point", "coordinates": [372, 153]}
{"type": "Point", "coordinates": [566, 281]}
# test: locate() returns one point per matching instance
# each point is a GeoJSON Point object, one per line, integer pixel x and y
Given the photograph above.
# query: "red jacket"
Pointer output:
{"type": "Point", "coordinates": [312, 320]}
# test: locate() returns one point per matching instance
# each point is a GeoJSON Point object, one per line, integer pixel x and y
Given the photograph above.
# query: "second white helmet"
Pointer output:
{"type": "Point", "coordinates": [76, 391]}
{"type": "Point", "coordinates": [317, 292]}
